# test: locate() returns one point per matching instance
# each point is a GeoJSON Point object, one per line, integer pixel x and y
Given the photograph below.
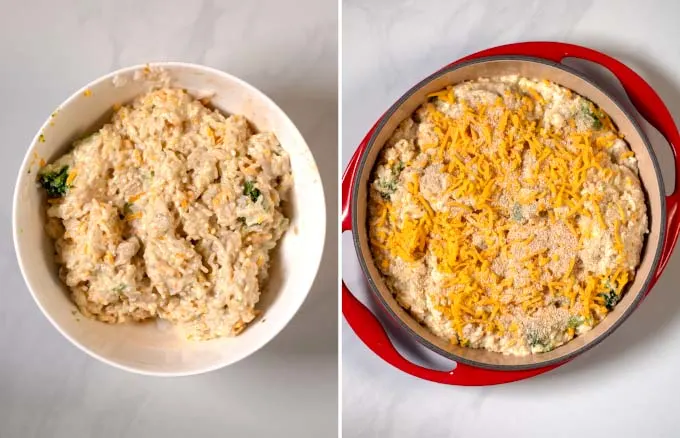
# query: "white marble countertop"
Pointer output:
{"type": "Point", "coordinates": [625, 387]}
{"type": "Point", "coordinates": [48, 388]}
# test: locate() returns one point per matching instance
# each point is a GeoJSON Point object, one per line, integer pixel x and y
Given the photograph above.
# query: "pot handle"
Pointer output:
{"type": "Point", "coordinates": [643, 96]}
{"type": "Point", "coordinates": [372, 333]}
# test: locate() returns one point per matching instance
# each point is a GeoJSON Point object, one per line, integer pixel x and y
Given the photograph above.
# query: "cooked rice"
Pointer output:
{"type": "Point", "coordinates": [171, 212]}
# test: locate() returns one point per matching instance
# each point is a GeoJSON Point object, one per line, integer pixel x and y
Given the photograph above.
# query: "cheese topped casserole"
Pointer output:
{"type": "Point", "coordinates": [169, 211]}
{"type": "Point", "coordinates": [507, 214]}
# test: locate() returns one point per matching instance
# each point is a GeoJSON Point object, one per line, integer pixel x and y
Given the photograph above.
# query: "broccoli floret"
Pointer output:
{"type": "Point", "coordinates": [251, 191]}
{"type": "Point", "coordinates": [574, 322]}
{"type": "Point", "coordinates": [387, 187]}
{"type": "Point", "coordinates": [611, 298]}
{"type": "Point", "coordinates": [517, 212]}
{"type": "Point", "coordinates": [54, 182]}
{"type": "Point", "coordinates": [594, 115]}
{"type": "Point", "coordinates": [536, 340]}
{"type": "Point", "coordinates": [597, 124]}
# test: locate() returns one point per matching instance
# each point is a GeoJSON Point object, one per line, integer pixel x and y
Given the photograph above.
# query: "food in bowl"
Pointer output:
{"type": "Point", "coordinates": [169, 211]}
{"type": "Point", "coordinates": [507, 214]}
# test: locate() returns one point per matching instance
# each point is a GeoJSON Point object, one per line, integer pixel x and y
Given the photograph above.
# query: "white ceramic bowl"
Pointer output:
{"type": "Point", "coordinates": [153, 348]}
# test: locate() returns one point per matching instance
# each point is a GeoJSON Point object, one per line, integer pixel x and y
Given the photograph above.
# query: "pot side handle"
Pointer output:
{"type": "Point", "coordinates": [372, 333]}
{"type": "Point", "coordinates": [641, 94]}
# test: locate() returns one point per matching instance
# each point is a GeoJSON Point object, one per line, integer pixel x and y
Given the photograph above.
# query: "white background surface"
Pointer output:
{"type": "Point", "coordinates": [626, 387]}
{"type": "Point", "coordinates": [48, 388]}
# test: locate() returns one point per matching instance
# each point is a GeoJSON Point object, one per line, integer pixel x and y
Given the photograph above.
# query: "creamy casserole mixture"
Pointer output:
{"type": "Point", "coordinates": [507, 214]}
{"type": "Point", "coordinates": [169, 211]}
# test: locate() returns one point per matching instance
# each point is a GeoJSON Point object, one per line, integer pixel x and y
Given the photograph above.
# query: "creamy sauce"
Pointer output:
{"type": "Point", "coordinates": [170, 211]}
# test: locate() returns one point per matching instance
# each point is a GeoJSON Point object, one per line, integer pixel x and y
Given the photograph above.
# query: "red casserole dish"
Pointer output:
{"type": "Point", "coordinates": [542, 60]}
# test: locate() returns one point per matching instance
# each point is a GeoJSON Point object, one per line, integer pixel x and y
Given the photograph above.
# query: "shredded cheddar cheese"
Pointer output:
{"type": "Point", "coordinates": [498, 212]}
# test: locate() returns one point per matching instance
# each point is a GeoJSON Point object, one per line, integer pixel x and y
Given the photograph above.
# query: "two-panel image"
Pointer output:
{"type": "Point", "coordinates": [339, 219]}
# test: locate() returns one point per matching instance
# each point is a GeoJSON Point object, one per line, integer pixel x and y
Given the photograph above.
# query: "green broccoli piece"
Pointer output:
{"type": "Point", "coordinates": [594, 116]}
{"type": "Point", "coordinates": [54, 182]}
{"type": "Point", "coordinates": [251, 191]}
{"type": "Point", "coordinates": [534, 340]}
{"type": "Point", "coordinates": [387, 187]}
{"type": "Point", "coordinates": [597, 123]}
{"type": "Point", "coordinates": [517, 212]}
{"type": "Point", "coordinates": [611, 298]}
{"type": "Point", "coordinates": [574, 322]}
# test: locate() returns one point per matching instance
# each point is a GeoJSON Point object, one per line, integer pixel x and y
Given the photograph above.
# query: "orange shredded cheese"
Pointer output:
{"type": "Point", "coordinates": [462, 231]}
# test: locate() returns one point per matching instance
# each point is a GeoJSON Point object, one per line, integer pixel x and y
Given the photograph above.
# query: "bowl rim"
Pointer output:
{"type": "Point", "coordinates": [370, 144]}
{"type": "Point", "coordinates": [293, 309]}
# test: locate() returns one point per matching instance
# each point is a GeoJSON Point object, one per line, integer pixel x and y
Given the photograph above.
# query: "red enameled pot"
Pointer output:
{"type": "Point", "coordinates": [532, 59]}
